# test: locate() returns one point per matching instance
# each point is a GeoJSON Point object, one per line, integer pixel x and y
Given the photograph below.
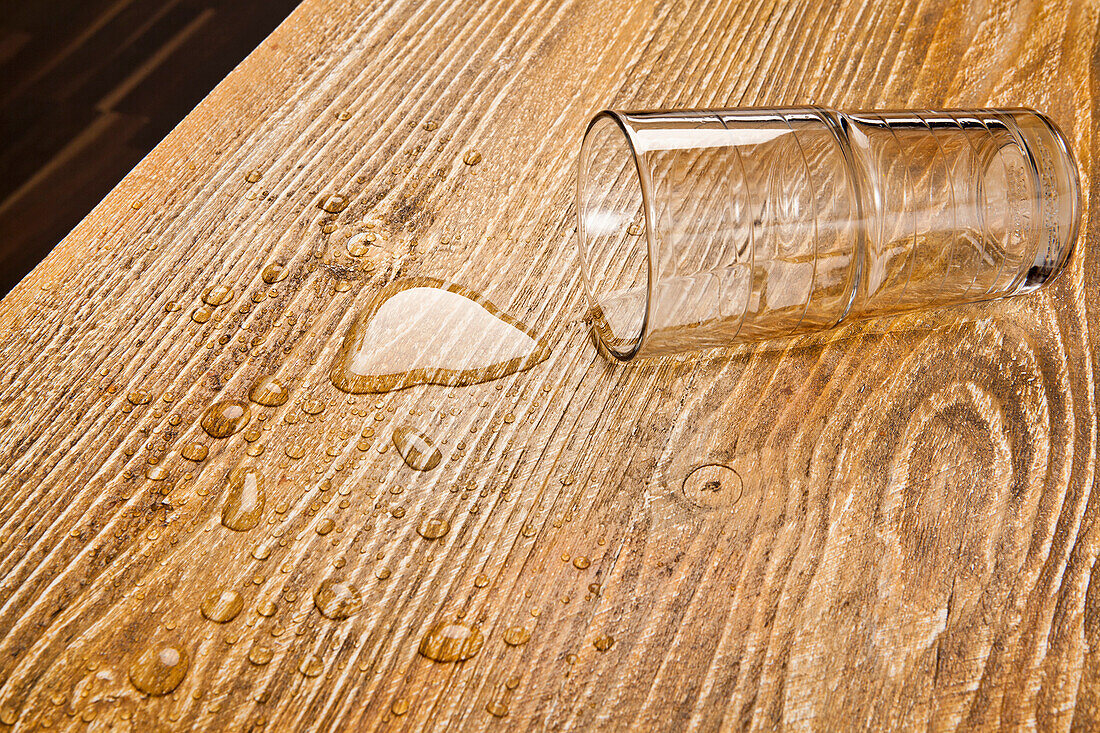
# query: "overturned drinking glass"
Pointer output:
{"type": "Point", "coordinates": [711, 228]}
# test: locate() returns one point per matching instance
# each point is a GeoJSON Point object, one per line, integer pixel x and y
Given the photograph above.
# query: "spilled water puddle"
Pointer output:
{"type": "Point", "coordinates": [427, 331]}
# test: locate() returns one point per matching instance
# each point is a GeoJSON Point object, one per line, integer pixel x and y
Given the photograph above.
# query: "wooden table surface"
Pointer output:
{"type": "Point", "coordinates": [913, 538]}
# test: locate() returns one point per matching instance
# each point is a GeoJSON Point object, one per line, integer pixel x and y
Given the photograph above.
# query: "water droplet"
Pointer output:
{"type": "Point", "coordinates": [363, 244]}
{"type": "Point", "coordinates": [336, 600]}
{"type": "Point", "coordinates": [418, 451]}
{"type": "Point", "coordinates": [635, 228]}
{"type": "Point", "coordinates": [400, 706]}
{"type": "Point", "coordinates": [497, 709]}
{"type": "Point", "coordinates": [594, 588]}
{"type": "Point", "coordinates": [194, 452]}
{"type": "Point", "coordinates": [481, 580]}
{"type": "Point", "coordinates": [603, 642]}
{"type": "Point", "coordinates": [333, 204]}
{"type": "Point", "coordinates": [426, 331]}
{"type": "Point", "coordinates": [472, 157]}
{"type": "Point", "coordinates": [222, 419]}
{"type": "Point", "coordinates": [433, 528]}
{"type": "Point", "coordinates": [202, 314]}
{"type": "Point", "coordinates": [713, 485]}
{"type": "Point", "coordinates": [451, 642]}
{"type": "Point", "coordinates": [8, 715]}
{"type": "Point", "coordinates": [244, 503]}
{"type": "Point", "coordinates": [159, 669]}
{"type": "Point", "coordinates": [261, 552]}
{"type": "Point", "coordinates": [313, 407]}
{"type": "Point", "coordinates": [397, 512]}
{"type": "Point", "coordinates": [217, 295]}
{"type": "Point", "coordinates": [516, 636]}
{"type": "Point", "coordinates": [294, 451]}
{"type": "Point", "coordinates": [269, 392]}
{"type": "Point", "coordinates": [260, 655]}
{"type": "Point", "coordinates": [267, 608]}
{"type": "Point", "coordinates": [254, 176]}
{"type": "Point", "coordinates": [222, 606]}
{"type": "Point", "coordinates": [325, 526]}
{"type": "Point", "coordinates": [274, 273]}
{"type": "Point", "coordinates": [429, 126]}
{"type": "Point", "coordinates": [311, 665]}
{"type": "Point", "coordinates": [156, 473]}
{"type": "Point", "coordinates": [382, 573]}
{"type": "Point", "coordinates": [138, 397]}
{"type": "Point", "coordinates": [581, 562]}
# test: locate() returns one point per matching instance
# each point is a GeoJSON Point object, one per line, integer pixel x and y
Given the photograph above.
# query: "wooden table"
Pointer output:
{"type": "Point", "coordinates": [913, 538]}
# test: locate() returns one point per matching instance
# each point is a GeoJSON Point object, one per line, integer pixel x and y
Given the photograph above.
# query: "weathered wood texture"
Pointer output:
{"type": "Point", "coordinates": [914, 538]}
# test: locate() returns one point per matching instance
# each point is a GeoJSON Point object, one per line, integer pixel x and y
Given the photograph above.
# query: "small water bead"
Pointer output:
{"type": "Point", "coordinates": [255, 449]}
{"type": "Point", "coordinates": [418, 452]}
{"type": "Point", "coordinates": [433, 528]}
{"type": "Point", "coordinates": [194, 452]}
{"type": "Point", "coordinates": [397, 512]}
{"type": "Point", "coordinates": [334, 203]}
{"type": "Point", "coordinates": [497, 709]}
{"type": "Point", "coordinates": [603, 642]}
{"type": "Point", "coordinates": [202, 314]}
{"type": "Point", "coordinates": [338, 600]}
{"type": "Point", "coordinates": [313, 407]}
{"type": "Point", "coordinates": [516, 635]}
{"type": "Point", "coordinates": [253, 433]}
{"type": "Point", "coordinates": [254, 176]}
{"type": "Point", "coordinates": [382, 573]}
{"type": "Point", "coordinates": [224, 418]}
{"type": "Point", "coordinates": [156, 473]}
{"type": "Point", "coordinates": [260, 655]}
{"type": "Point", "coordinates": [217, 295]}
{"type": "Point", "coordinates": [244, 502]}
{"type": "Point", "coordinates": [160, 669]}
{"type": "Point", "coordinates": [267, 608]}
{"type": "Point", "coordinates": [294, 451]}
{"type": "Point", "coordinates": [138, 397]}
{"type": "Point", "coordinates": [274, 273]}
{"type": "Point", "coordinates": [222, 606]}
{"type": "Point", "coordinates": [451, 642]}
{"type": "Point", "coordinates": [311, 666]}
{"type": "Point", "coordinates": [472, 157]}
{"type": "Point", "coordinates": [635, 228]}
{"type": "Point", "coordinates": [481, 580]}
{"type": "Point", "coordinates": [269, 392]}
{"type": "Point", "coordinates": [362, 244]}
{"type": "Point", "coordinates": [400, 706]}
{"type": "Point", "coordinates": [261, 552]}
{"type": "Point", "coordinates": [9, 715]}
{"type": "Point", "coordinates": [325, 526]}
{"type": "Point", "coordinates": [581, 562]}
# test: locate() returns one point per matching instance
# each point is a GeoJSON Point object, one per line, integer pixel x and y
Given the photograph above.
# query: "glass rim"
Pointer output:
{"type": "Point", "coordinates": [603, 339]}
{"type": "Point", "coordinates": [1075, 199]}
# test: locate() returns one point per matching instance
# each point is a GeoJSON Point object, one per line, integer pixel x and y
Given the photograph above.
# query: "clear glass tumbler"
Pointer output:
{"type": "Point", "coordinates": [710, 228]}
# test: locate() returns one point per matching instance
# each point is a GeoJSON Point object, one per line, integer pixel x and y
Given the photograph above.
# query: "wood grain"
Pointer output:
{"type": "Point", "coordinates": [915, 531]}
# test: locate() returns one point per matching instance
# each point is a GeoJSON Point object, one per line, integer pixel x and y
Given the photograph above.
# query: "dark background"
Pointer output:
{"type": "Point", "coordinates": [88, 87]}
